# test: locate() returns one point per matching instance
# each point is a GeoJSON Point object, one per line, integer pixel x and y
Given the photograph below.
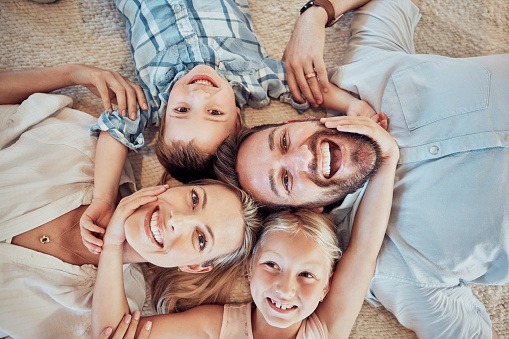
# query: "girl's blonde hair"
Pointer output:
{"type": "Point", "coordinates": [175, 291]}
{"type": "Point", "coordinates": [318, 227]}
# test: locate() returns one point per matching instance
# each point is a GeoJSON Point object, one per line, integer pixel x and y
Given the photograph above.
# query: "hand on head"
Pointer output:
{"type": "Point", "coordinates": [127, 328]}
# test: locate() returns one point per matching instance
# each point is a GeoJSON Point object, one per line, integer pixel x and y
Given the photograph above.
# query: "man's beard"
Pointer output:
{"type": "Point", "coordinates": [367, 156]}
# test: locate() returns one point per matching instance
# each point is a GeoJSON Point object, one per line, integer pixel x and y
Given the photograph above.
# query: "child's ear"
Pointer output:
{"type": "Point", "coordinates": [327, 287]}
{"type": "Point", "coordinates": [195, 268]}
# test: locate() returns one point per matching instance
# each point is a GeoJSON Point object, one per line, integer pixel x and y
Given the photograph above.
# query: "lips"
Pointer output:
{"type": "Point", "coordinates": [281, 307]}
{"type": "Point", "coordinates": [331, 158]}
{"type": "Point", "coordinates": [153, 228]}
{"type": "Point", "coordinates": [202, 79]}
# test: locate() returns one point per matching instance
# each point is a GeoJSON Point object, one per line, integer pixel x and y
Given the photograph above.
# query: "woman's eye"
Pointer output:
{"type": "Point", "coordinates": [285, 181]}
{"type": "Point", "coordinates": [181, 109]}
{"type": "Point", "coordinates": [194, 197]}
{"type": "Point", "coordinates": [215, 112]}
{"type": "Point", "coordinates": [202, 241]}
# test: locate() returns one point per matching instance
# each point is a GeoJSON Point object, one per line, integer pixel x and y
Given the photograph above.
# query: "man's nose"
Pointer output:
{"type": "Point", "coordinates": [297, 160]}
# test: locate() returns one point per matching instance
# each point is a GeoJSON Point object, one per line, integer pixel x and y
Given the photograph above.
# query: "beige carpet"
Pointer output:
{"type": "Point", "coordinates": [91, 32]}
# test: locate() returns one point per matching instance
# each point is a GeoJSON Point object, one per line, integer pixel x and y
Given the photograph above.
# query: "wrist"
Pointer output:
{"type": "Point", "coordinates": [316, 14]}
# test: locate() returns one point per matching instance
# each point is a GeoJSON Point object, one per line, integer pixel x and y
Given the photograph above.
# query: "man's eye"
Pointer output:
{"type": "Point", "coordinates": [194, 197]}
{"type": "Point", "coordinates": [283, 142]}
{"type": "Point", "coordinates": [202, 241]}
{"type": "Point", "coordinates": [215, 112]}
{"type": "Point", "coordinates": [181, 109]}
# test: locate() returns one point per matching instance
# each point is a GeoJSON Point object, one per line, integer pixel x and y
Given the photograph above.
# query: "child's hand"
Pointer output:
{"type": "Point", "coordinates": [370, 128]}
{"type": "Point", "coordinates": [111, 87]}
{"type": "Point", "coordinates": [115, 233]}
{"type": "Point", "coordinates": [360, 108]}
{"type": "Point", "coordinates": [93, 223]}
{"type": "Point", "coordinates": [126, 329]}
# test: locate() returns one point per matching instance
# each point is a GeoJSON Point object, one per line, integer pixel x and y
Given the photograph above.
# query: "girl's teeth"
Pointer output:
{"type": "Point", "coordinates": [326, 159]}
{"type": "Point", "coordinates": [203, 82]}
{"type": "Point", "coordinates": [278, 305]}
{"type": "Point", "coordinates": [154, 228]}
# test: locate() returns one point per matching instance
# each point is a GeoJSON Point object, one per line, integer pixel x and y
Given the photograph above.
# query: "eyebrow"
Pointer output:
{"type": "Point", "coordinates": [271, 139]}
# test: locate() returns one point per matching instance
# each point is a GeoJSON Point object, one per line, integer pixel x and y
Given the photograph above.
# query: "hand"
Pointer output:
{"type": "Point", "coordinates": [111, 87]}
{"type": "Point", "coordinates": [304, 55]}
{"type": "Point", "coordinates": [360, 108]}
{"type": "Point", "coordinates": [93, 224]}
{"type": "Point", "coordinates": [126, 329]}
{"type": "Point", "coordinates": [368, 127]}
{"type": "Point", "coordinates": [115, 233]}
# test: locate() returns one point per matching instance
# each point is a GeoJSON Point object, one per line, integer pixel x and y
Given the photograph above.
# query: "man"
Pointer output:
{"type": "Point", "coordinates": [449, 118]}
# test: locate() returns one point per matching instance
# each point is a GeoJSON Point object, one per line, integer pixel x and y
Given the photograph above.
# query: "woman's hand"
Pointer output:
{"type": "Point", "coordinates": [370, 128]}
{"type": "Point", "coordinates": [115, 233]}
{"type": "Point", "coordinates": [111, 87]}
{"type": "Point", "coordinates": [126, 329]}
{"type": "Point", "coordinates": [93, 224]}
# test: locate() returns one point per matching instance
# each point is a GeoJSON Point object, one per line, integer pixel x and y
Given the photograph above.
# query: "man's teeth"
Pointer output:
{"type": "Point", "coordinates": [326, 159]}
{"type": "Point", "coordinates": [203, 82]}
{"type": "Point", "coordinates": [278, 305]}
{"type": "Point", "coordinates": [154, 227]}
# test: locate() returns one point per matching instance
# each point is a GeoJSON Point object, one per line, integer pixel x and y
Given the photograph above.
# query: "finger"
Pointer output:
{"type": "Point", "coordinates": [106, 333]}
{"type": "Point", "coordinates": [293, 86]}
{"type": "Point", "coordinates": [316, 90]}
{"type": "Point", "coordinates": [104, 93]}
{"type": "Point", "coordinates": [122, 327]}
{"type": "Point", "coordinates": [117, 85]}
{"type": "Point", "coordinates": [127, 95]}
{"type": "Point", "coordinates": [322, 75]}
{"type": "Point", "coordinates": [140, 95]}
{"type": "Point", "coordinates": [145, 331]}
{"type": "Point", "coordinates": [90, 226]}
{"type": "Point", "coordinates": [304, 86]}
{"type": "Point", "coordinates": [131, 331]}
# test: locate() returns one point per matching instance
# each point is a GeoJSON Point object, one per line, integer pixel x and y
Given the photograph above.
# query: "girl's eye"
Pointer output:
{"type": "Point", "coordinates": [307, 275]}
{"type": "Point", "coordinates": [181, 109]}
{"type": "Point", "coordinates": [202, 241]}
{"type": "Point", "coordinates": [271, 264]}
{"type": "Point", "coordinates": [194, 198]}
{"type": "Point", "coordinates": [215, 112]}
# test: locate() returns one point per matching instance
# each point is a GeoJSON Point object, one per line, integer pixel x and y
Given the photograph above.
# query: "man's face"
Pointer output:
{"type": "Point", "coordinates": [305, 164]}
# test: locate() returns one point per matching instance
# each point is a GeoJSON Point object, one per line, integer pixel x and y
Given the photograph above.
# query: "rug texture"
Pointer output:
{"type": "Point", "coordinates": [91, 32]}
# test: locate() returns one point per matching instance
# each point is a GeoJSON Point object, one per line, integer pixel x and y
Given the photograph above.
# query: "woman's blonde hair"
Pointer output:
{"type": "Point", "coordinates": [175, 291]}
{"type": "Point", "coordinates": [318, 227]}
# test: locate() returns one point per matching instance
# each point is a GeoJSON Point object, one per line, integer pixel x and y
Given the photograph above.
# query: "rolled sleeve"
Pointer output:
{"type": "Point", "coordinates": [447, 312]}
{"type": "Point", "coordinates": [126, 131]}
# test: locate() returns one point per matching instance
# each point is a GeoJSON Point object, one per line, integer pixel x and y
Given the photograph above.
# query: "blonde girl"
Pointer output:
{"type": "Point", "coordinates": [290, 272]}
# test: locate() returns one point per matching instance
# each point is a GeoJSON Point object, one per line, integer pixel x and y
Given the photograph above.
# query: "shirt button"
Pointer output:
{"type": "Point", "coordinates": [433, 150]}
{"type": "Point", "coordinates": [177, 8]}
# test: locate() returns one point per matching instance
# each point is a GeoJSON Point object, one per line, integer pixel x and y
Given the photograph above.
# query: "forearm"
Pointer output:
{"type": "Point", "coordinates": [109, 303]}
{"type": "Point", "coordinates": [16, 86]}
{"type": "Point", "coordinates": [337, 99]}
{"type": "Point", "coordinates": [109, 162]}
{"type": "Point", "coordinates": [343, 6]}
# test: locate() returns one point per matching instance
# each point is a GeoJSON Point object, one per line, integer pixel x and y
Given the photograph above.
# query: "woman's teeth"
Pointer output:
{"type": "Point", "coordinates": [204, 82]}
{"type": "Point", "coordinates": [326, 159]}
{"type": "Point", "coordinates": [155, 228]}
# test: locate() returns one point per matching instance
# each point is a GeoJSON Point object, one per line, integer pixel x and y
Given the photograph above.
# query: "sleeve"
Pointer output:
{"type": "Point", "coordinates": [134, 285]}
{"type": "Point", "coordinates": [123, 129]}
{"type": "Point", "coordinates": [447, 312]}
{"type": "Point", "coordinates": [385, 24]}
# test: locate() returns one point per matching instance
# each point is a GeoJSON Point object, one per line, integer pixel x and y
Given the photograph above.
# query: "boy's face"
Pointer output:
{"type": "Point", "coordinates": [201, 107]}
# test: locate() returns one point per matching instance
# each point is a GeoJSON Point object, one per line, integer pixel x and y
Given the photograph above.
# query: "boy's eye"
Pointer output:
{"type": "Point", "coordinates": [195, 198]}
{"type": "Point", "coordinates": [181, 109]}
{"type": "Point", "coordinates": [202, 241]}
{"type": "Point", "coordinates": [215, 112]}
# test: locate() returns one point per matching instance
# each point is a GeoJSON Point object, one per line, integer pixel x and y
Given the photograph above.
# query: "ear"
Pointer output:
{"type": "Point", "coordinates": [240, 123]}
{"type": "Point", "coordinates": [317, 209]}
{"type": "Point", "coordinates": [327, 287]}
{"type": "Point", "coordinates": [195, 268]}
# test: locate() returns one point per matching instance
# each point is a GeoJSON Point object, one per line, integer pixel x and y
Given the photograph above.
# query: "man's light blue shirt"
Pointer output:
{"type": "Point", "coordinates": [449, 223]}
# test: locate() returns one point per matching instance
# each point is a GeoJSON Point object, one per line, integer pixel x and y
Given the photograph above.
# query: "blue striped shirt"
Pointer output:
{"type": "Point", "coordinates": [169, 38]}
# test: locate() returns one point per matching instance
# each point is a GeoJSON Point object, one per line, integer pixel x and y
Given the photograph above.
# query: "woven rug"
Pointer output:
{"type": "Point", "coordinates": [91, 32]}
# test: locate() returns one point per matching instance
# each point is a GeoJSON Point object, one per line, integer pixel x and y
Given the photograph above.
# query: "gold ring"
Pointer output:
{"type": "Point", "coordinates": [310, 75]}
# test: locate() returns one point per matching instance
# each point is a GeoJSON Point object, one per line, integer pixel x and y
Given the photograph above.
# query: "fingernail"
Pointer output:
{"type": "Point", "coordinates": [133, 116]}
{"type": "Point", "coordinates": [108, 331]}
{"type": "Point", "coordinates": [136, 315]}
{"type": "Point", "coordinates": [123, 113]}
{"type": "Point", "coordinates": [148, 325]}
{"type": "Point", "coordinates": [144, 106]}
{"type": "Point", "coordinates": [127, 319]}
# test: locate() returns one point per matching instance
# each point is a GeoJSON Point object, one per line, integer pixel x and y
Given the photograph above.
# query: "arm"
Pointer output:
{"type": "Point", "coordinates": [304, 52]}
{"type": "Point", "coordinates": [109, 303]}
{"type": "Point", "coordinates": [355, 269]}
{"type": "Point", "coordinates": [109, 161]}
{"type": "Point", "coordinates": [16, 86]}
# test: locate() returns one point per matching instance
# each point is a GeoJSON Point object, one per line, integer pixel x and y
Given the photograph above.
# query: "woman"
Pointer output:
{"type": "Point", "coordinates": [46, 165]}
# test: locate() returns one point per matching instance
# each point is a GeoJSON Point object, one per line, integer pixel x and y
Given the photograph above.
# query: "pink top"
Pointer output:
{"type": "Point", "coordinates": [237, 324]}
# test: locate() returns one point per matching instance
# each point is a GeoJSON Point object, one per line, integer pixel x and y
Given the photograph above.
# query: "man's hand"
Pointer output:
{"type": "Point", "coordinates": [126, 329]}
{"type": "Point", "coordinates": [111, 87]}
{"type": "Point", "coordinates": [304, 55]}
{"type": "Point", "coordinates": [93, 224]}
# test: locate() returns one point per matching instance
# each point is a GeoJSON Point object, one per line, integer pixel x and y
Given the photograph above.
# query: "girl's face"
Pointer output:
{"type": "Point", "coordinates": [187, 225]}
{"type": "Point", "coordinates": [289, 277]}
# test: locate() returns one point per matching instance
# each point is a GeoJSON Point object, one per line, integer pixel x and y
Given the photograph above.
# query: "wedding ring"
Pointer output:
{"type": "Point", "coordinates": [310, 75]}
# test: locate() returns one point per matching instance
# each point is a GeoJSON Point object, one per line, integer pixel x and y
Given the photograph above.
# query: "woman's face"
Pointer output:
{"type": "Point", "coordinates": [187, 225]}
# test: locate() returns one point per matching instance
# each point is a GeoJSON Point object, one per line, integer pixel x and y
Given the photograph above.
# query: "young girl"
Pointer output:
{"type": "Point", "coordinates": [289, 277]}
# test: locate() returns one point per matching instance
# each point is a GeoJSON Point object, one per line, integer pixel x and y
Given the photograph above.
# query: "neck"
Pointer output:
{"type": "Point", "coordinates": [262, 329]}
